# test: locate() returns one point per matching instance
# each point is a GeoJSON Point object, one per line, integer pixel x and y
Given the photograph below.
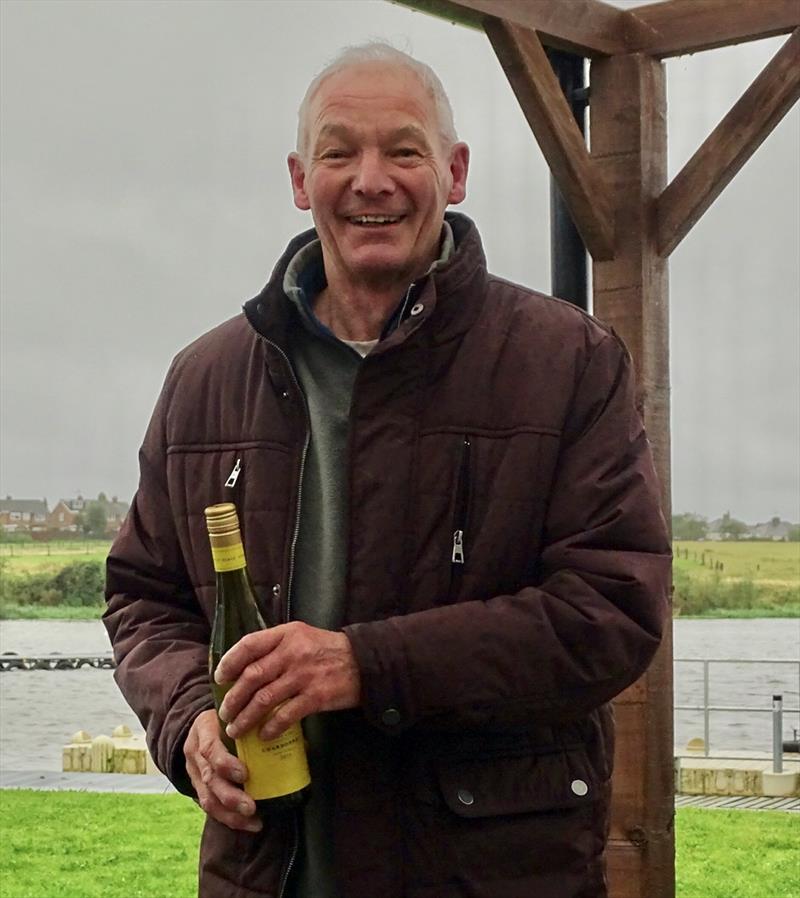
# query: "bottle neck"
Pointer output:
{"type": "Point", "coordinates": [227, 552]}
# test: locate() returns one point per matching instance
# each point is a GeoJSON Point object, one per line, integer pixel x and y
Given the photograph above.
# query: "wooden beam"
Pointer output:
{"type": "Point", "coordinates": [674, 27]}
{"type": "Point", "coordinates": [545, 107]}
{"type": "Point", "coordinates": [729, 146]}
{"type": "Point", "coordinates": [586, 27]}
{"type": "Point", "coordinates": [629, 142]}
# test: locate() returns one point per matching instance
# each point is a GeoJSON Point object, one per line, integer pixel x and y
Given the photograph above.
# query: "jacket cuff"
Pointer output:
{"type": "Point", "coordinates": [386, 694]}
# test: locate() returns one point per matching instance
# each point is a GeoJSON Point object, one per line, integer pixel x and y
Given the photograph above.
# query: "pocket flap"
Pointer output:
{"type": "Point", "coordinates": [516, 785]}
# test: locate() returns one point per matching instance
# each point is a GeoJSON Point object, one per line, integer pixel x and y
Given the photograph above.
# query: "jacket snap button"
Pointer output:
{"type": "Point", "coordinates": [391, 717]}
{"type": "Point", "coordinates": [579, 787]}
{"type": "Point", "coordinates": [466, 797]}
{"type": "Point", "coordinates": [276, 590]}
{"type": "Point", "coordinates": [417, 308]}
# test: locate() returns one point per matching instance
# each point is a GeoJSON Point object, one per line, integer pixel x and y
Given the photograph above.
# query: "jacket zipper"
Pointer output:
{"type": "Point", "coordinates": [289, 577]}
{"type": "Point", "coordinates": [458, 554]}
{"type": "Point", "coordinates": [292, 855]}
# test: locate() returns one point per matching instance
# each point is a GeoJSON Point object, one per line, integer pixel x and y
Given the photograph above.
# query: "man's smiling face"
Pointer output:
{"type": "Point", "coordinates": [376, 175]}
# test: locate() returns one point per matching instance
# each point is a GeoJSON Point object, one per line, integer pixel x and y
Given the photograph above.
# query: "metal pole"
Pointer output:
{"type": "Point", "coordinates": [568, 268]}
{"type": "Point", "coordinates": [706, 712]}
{"type": "Point", "coordinates": [777, 734]}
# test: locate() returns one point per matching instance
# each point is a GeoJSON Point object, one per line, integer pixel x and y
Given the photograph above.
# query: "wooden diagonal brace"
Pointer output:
{"type": "Point", "coordinates": [729, 146]}
{"type": "Point", "coordinates": [545, 107]}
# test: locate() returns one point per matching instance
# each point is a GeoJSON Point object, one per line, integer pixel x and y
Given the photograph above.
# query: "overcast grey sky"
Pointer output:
{"type": "Point", "coordinates": [145, 197]}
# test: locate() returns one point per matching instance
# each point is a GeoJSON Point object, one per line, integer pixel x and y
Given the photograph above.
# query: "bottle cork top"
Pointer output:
{"type": "Point", "coordinates": [222, 519]}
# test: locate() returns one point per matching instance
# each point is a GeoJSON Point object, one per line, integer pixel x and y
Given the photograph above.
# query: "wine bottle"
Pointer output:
{"type": "Point", "coordinates": [278, 776]}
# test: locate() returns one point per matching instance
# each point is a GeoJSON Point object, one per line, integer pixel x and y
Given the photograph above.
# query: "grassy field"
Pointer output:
{"type": "Point", "coordinates": [50, 612]}
{"type": "Point", "coordinates": [33, 558]}
{"type": "Point", "coordinates": [712, 579]}
{"type": "Point", "coordinates": [757, 577]}
{"type": "Point", "coordinates": [765, 562]}
{"type": "Point", "coordinates": [85, 845]}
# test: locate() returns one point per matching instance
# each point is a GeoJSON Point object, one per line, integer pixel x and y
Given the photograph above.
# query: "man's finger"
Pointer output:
{"type": "Point", "coordinates": [262, 704]}
{"type": "Point", "coordinates": [255, 676]}
{"type": "Point", "coordinates": [290, 712]}
{"type": "Point", "coordinates": [232, 819]}
{"type": "Point", "coordinates": [230, 768]}
{"type": "Point", "coordinates": [247, 650]}
{"type": "Point", "coordinates": [206, 754]}
{"type": "Point", "coordinates": [231, 797]}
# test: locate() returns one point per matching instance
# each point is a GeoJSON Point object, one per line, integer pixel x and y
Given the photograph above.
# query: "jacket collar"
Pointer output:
{"type": "Point", "coordinates": [450, 294]}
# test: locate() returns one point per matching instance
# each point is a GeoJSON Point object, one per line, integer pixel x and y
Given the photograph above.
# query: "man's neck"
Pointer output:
{"type": "Point", "coordinates": [357, 312]}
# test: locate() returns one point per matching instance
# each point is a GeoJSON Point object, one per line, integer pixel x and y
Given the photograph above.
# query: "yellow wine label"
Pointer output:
{"type": "Point", "coordinates": [275, 768]}
{"type": "Point", "coordinates": [228, 558]}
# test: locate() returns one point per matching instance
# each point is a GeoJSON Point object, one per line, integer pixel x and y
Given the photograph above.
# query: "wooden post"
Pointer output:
{"type": "Point", "coordinates": [629, 143]}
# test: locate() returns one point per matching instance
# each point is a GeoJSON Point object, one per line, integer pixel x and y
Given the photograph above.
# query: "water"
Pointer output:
{"type": "Point", "coordinates": [736, 684]}
{"type": "Point", "coordinates": [41, 710]}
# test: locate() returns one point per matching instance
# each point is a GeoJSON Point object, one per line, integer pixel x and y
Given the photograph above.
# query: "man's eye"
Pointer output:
{"type": "Point", "coordinates": [333, 154]}
{"type": "Point", "coordinates": [406, 152]}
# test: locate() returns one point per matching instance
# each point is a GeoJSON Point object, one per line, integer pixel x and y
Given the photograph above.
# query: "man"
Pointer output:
{"type": "Point", "coordinates": [447, 498]}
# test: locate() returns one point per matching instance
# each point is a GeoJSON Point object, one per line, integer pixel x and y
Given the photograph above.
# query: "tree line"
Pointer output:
{"type": "Point", "coordinates": [691, 526]}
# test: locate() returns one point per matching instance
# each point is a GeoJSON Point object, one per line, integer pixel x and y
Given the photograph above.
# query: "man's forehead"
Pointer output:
{"type": "Point", "coordinates": [390, 131]}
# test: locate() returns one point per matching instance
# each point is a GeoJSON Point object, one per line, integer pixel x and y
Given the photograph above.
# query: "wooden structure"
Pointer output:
{"type": "Point", "coordinates": [630, 220]}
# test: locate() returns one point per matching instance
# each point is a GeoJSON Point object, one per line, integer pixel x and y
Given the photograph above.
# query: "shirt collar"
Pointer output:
{"type": "Point", "coordinates": [305, 278]}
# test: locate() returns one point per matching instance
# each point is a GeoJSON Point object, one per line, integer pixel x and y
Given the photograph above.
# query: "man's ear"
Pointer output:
{"type": "Point", "coordinates": [459, 167]}
{"type": "Point", "coordinates": [297, 173]}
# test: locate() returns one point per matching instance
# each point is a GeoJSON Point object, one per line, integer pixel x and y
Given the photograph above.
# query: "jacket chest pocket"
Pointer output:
{"type": "Point", "coordinates": [461, 507]}
{"type": "Point", "coordinates": [257, 477]}
{"type": "Point", "coordinates": [480, 504]}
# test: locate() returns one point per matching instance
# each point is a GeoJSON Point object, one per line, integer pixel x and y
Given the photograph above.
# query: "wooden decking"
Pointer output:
{"type": "Point", "coordinates": [739, 803]}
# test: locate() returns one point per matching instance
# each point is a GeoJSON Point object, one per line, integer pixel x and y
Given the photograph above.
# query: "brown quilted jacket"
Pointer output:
{"type": "Point", "coordinates": [479, 764]}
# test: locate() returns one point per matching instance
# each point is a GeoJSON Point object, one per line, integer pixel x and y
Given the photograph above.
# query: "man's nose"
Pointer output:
{"type": "Point", "coordinates": [372, 175]}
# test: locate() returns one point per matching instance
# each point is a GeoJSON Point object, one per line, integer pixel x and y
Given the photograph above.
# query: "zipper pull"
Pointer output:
{"type": "Point", "coordinates": [234, 475]}
{"type": "Point", "coordinates": [458, 547]}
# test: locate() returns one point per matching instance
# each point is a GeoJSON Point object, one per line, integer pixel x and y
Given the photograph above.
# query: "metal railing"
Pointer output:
{"type": "Point", "coordinates": [775, 707]}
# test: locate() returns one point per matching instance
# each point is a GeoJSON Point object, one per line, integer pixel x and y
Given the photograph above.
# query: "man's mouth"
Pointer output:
{"type": "Point", "coordinates": [374, 221]}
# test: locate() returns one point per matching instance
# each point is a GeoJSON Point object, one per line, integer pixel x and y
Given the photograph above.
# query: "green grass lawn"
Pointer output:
{"type": "Point", "coordinates": [87, 845]}
{"type": "Point", "coordinates": [737, 854]}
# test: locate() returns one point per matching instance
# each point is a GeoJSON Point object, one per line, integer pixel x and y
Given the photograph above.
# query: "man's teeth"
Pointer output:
{"type": "Point", "coordinates": [375, 219]}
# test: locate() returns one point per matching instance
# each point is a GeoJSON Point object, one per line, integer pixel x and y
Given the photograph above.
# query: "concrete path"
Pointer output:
{"type": "Point", "coordinates": [52, 781]}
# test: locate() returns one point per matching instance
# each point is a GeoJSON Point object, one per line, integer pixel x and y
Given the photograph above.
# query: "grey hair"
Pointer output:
{"type": "Point", "coordinates": [380, 51]}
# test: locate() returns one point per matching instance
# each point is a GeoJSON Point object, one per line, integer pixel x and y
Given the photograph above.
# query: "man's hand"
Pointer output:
{"type": "Point", "coordinates": [286, 673]}
{"type": "Point", "coordinates": [214, 771]}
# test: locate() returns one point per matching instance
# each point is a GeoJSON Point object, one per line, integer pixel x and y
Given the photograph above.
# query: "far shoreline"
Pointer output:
{"type": "Point", "coordinates": [95, 612]}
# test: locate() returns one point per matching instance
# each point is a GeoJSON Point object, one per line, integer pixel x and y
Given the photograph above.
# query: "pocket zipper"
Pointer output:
{"type": "Point", "coordinates": [461, 511]}
{"type": "Point", "coordinates": [458, 547]}
{"type": "Point", "coordinates": [234, 475]}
